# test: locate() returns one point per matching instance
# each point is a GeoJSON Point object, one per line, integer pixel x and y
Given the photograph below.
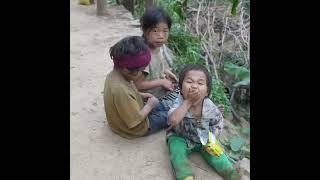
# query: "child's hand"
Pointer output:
{"type": "Point", "coordinates": [152, 102]}
{"type": "Point", "coordinates": [193, 95]}
{"type": "Point", "coordinates": [170, 76]}
{"type": "Point", "coordinates": [145, 96]}
{"type": "Point", "coordinates": [167, 84]}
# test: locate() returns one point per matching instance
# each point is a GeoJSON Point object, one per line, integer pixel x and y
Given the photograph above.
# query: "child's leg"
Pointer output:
{"type": "Point", "coordinates": [162, 106]}
{"type": "Point", "coordinates": [179, 157]}
{"type": "Point", "coordinates": [158, 119]}
{"type": "Point", "coordinates": [221, 164]}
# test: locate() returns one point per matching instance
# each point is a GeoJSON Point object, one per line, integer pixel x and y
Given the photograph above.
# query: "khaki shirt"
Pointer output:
{"type": "Point", "coordinates": [122, 105]}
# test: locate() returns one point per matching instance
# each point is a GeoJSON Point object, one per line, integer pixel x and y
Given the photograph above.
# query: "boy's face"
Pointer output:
{"type": "Point", "coordinates": [158, 35]}
{"type": "Point", "coordinates": [132, 74]}
{"type": "Point", "coordinates": [195, 80]}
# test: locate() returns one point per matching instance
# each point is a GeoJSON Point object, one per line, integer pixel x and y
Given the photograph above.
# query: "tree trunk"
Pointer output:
{"type": "Point", "coordinates": [101, 7]}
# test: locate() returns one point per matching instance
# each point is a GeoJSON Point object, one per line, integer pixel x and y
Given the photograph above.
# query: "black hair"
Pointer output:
{"type": "Point", "coordinates": [195, 67]}
{"type": "Point", "coordinates": [130, 45]}
{"type": "Point", "coordinates": [153, 16]}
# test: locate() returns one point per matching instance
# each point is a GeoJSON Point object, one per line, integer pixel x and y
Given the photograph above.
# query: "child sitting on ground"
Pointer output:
{"type": "Point", "coordinates": [193, 118]}
{"type": "Point", "coordinates": [124, 105]}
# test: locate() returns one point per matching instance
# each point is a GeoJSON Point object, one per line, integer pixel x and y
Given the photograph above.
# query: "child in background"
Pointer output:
{"type": "Point", "coordinates": [157, 78]}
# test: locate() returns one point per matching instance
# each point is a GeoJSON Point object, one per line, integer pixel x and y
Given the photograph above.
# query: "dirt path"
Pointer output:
{"type": "Point", "coordinates": [97, 153]}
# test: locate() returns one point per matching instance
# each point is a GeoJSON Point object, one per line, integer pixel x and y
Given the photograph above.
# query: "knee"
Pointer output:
{"type": "Point", "coordinates": [178, 156]}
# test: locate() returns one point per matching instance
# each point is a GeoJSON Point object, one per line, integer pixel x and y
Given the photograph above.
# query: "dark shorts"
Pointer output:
{"type": "Point", "coordinates": [158, 118]}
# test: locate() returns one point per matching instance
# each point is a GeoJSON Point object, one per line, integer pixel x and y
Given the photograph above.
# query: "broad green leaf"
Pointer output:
{"type": "Point", "coordinates": [245, 82]}
{"type": "Point", "coordinates": [234, 7]}
{"type": "Point", "coordinates": [238, 71]}
{"type": "Point", "coordinates": [245, 131]}
{"type": "Point", "coordinates": [236, 143]}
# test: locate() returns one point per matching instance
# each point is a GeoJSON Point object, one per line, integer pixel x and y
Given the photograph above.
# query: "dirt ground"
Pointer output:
{"type": "Point", "coordinates": [96, 152]}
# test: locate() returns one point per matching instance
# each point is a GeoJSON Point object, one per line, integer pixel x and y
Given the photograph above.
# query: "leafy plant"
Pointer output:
{"type": "Point", "coordinates": [219, 97]}
{"type": "Point", "coordinates": [245, 131]}
{"type": "Point", "coordinates": [234, 7]}
{"type": "Point", "coordinates": [236, 143]}
{"type": "Point", "coordinates": [240, 72]}
{"type": "Point", "coordinates": [113, 2]}
{"type": "Point", "coordinates": [185, 45]}
{"type": "Point", "coordinates": [175, 8]}
{"type": "Point", "coordinates": [138, 9]}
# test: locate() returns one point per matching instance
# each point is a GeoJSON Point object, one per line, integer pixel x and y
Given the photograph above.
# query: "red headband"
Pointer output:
{"type": "Point", "coordinates": [133, 61]}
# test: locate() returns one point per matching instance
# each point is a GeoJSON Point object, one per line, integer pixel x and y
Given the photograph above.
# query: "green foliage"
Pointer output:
{"type": "Point", "coordinates": [237, 58]}
{"type": "Point", "coordinates": [138, 9]}
{"type": "Point", "coordinates": [175, 8]}
{"type": "Point", "coordinates": [239, 148]}
{"type": "Point", "coordinates": [235, 140]}
{"type": "Point", "coordinates": [236, 143]}
{"type": "Point", "coordinates": [247, 116]}
{"type": "Point", "coordinates": [180, 40]}
{"type": "Point", "coordinates": [113, 2]}
{"type": "Point", "coordinates": [234, 7]}
{"type": "Point", "coordinates": [185, 45]}
{"type": "Point", "coordinates": [240, 72]}
{"type": "Point", "coordinates": [244, 152]}
{"type": "Point", "coordinates": [219, 97]}
{"type": "Point", "coordinates": [245, 131]}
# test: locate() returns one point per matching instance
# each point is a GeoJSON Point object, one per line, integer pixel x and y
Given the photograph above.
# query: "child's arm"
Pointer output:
{"type": "Point", "coordinates": [143, 84]}
{"type": "Point", "coordinates": [147, 108]}
{"type": "Point", "coordinates": [130, 110]}
{"type": "Point", "coordinates": [179, 113]}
